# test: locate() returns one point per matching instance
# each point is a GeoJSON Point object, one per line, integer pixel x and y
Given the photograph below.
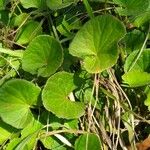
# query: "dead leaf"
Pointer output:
{"type": "Point", "coordinates": [144, 145]}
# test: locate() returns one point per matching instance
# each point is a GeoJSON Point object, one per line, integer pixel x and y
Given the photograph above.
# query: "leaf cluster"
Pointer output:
{"type": "Point", "coordinates": [74, 74]}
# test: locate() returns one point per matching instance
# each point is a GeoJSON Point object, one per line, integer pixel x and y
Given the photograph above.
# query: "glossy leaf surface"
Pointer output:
{"type": "Point", "coordinates": [96, 43]}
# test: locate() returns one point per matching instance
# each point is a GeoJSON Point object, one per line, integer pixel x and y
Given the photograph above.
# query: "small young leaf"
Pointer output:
{"type": "Point", "coordinates": [16, 21]}
{"type": "Point", "coordinates": [33, 3]}
{"type": "Point", "coordinates": [28, 32]}
{"type": "Point", "coordinates": [55, 96]}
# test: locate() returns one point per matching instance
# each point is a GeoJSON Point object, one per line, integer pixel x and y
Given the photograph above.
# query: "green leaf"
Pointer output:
{"type": "Point", "coordinates": [72, 124]}
{"type": "Point", "coordinates": [33, 3]}
{"type": "Point", "coordinates": [49, 118]}
{"type": "Point", "coordinates": [142, 64]}
{"type": "Point", "coordinates": [147, 101]}
{"type": "Point", "coordinates": [132, 7]}
{"type": "Point", "coordinates": [16, 98]}
{"type": "Point", "coordinates": [29, 31]}
{"type": "Point", "coordinates": [18, 53]}
{"type": "Point", "coordinates": [16, 21]}
{"type": "Point", "coordinates": [142, 18]}
{"type": "Point", "coordinates": [88, 141]}
{"type": "Point", "coordinates": [66, 26]}
{"type": "Point", "coordinates": [89, 98]}
{"type": "Point", "coordinates": [53, 4]}
{"type": "Point", "coordinates": [139, 74]}
{"type": "Point", "coordinates": [3, 3]}
{"type": "Point", "coordinates": [43, 56]}
{"type": "Point", "coordinates": [28, 137]}
{"type": "Point", "coordinates": [68, 60]}
{"type": "Point", "coordinates": [55, 96]}
{"type": "Point", "coordinates": [130, 40]}
{"type": "Point", "coordinates": [127, 121]}
{"type": "Point", "coordinates": [52, 143]}
{"type": "Point", "coordinates": [13, 143]}
{"type": "Point", "coordinates": [31, 129]}
{"type": "Point", "coordinates": [12, 63]}
{"type": "Point", "coordinates": [58, 4]}
{"type": "Point", "coordinates": [6, 131]}
{"type": "Point", "coordinates": [88, 8]}
{"type": "Point", "coordinates": [4, 17]}
{"type": "Point", "coordinates": [136, 78]}
{"type": "Point", "coordinates": [23, 144]}
{"type": "Point", "coordinates": [96, 43]}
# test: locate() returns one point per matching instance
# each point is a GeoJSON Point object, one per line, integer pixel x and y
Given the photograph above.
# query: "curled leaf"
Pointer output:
{"type": "Point", "coordinates": [55, 96]}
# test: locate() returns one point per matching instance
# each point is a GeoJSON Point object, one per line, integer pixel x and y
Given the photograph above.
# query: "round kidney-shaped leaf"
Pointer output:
{"type": "Point", "coordinates": [55, 96]}
{"type": "Point", "coordinates": [96, 43]}
{"type": "Point", "coordinates": [43, 56]}
{"type": "Point", "coordinates": [16, 98]}
{"type": "Point", "coordinates": [88, 141]}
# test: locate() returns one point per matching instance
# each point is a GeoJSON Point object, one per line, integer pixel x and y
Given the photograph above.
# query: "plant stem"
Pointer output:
{"type": "Point", "coordinates": [141, 50]}
{"type": "Point", "coordinates": [90, 103]}
{"type": "Point", "coordinates": [88, 8]}
{"type": "Point", "coordinates": [53, 28]}
{"type": "Point", "coordinates": [63, 131]}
